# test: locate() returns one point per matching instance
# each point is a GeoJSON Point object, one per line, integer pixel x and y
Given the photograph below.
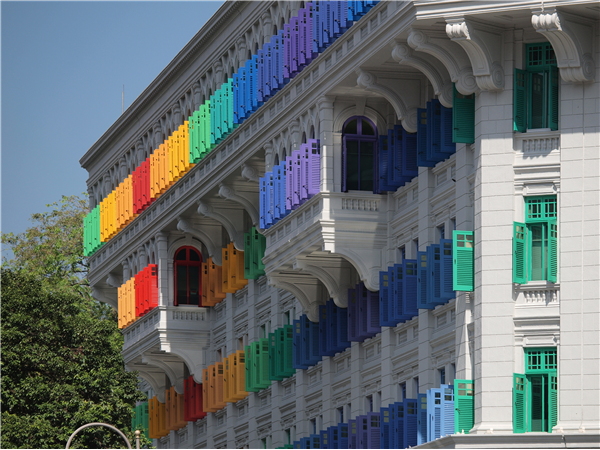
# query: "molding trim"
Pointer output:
{"type": "Point", "coordinates": [483, 44]}
{"type": "Point", "coordinates": [571, 39]}
{"type": "Point", "coordinates": [229, 193]}
{"type": "Point", "coordinates": [186, 226]}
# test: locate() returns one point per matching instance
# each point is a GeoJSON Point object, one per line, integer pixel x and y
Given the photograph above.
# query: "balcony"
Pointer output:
{"type": "Point", "coordinates": [162, 340]}
{"type": "Point", "coordinates": [314, 251]}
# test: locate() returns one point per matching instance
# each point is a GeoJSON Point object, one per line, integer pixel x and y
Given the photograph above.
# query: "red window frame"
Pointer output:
{"type": "Point", "coordinates": [187, 263]}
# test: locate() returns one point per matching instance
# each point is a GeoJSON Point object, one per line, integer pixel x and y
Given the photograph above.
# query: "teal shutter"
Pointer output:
{"type": "Point", "coordinates": [553, 99]}
{"type": "Point", "coordinates": [519, 403]}
{"type": "Point", "coordinates": [463, 249]}
{"type": "Point", "coordinates": [552, 401]}
{"type": "Point", "coordinates": [463, 118]}
{"type": "Point", "coordinates": [552, 250]}
{"type": "Point", "coordinates": [464, 406]}
{"type": "Point", "coordinates": [519, 253]}
{"type": "Point", "coordinates": [520, 101]}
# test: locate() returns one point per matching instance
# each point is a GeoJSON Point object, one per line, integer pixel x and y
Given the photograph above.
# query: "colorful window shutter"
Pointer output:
{"type": "Point", "coordinates": [463, 260]}
{"type": "Point", "coordinates": [520, 101]}
{"type": "Point", "coordinates": [422, 418]}
{"type": "Point", "coordinates": [464, 406]}
{"type": "Point", "coordinates": [409, 296]}
{"type": "Point", "coordinates": [519, 403]}
{"type": "Point", "coordinates": [422, 138]}
{"type": "Point", "coordinates": [520, 242]}
{"type": "Point", "coordinates": [411, 422]}
{"type": "Point", "coordinates": [384, 300]}
{"type": "Point", "coordinates": [422, 283]}
{"type": "Point", "coordinates": [463, 117]}
{"type": "Point", "coordinates": [552, 400]}
{"type": "Point", "coordinates": [447, 144]}
{"type": "Point", "coordinates": [552, 250]}
{"type": "Point", "coordinates": [446, 270]}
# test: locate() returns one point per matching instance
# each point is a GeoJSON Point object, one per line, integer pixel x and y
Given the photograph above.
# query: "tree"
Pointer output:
{"type": "Point", "coordinates": [61, 350]}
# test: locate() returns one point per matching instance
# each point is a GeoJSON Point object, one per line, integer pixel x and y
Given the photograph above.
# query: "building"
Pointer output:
{"type": "Point", "coordinates": [505, 103]}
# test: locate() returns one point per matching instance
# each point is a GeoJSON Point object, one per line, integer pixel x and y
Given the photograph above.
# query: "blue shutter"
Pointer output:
{"type": "Point", "coordinates": [324, 339]}
{"type": "Point", "coordinates": [373, 430]}
{"type": "Point", "coordinates": [333, 434]}
{"type": "Point", "coordinates": [373, 325]}
{"type": "Point", "coordinates": [399, 315]}
{"type": "Point", "coordinates": [410, 166]}
{"type": "Point", "coordinates": [409, 297]}
{"type": "Point", "coordinates": [324, 439]}
{"type": "Point", "coordinates": [362, 425]}
{"type": "Point", "coordinates": [315, 355]}
{"type": "Point", "coordinates": [384, 159]}
{"type": "Point", "coordinates": [263, 202]}
{"type": "Point", "coordinates": [269, 199]}
{"type": "Point", "coordinates": [434, 129]}
{"type": "Point", "coordinates": [422, 281]}
{"type": "Point", "coordinates": [447, 409]}
{"type": "Point", "coordinates": [236, 99]}
{"type": "Point", "coordinates": [434, 414]}
{"type": "Point", "coordinates": [315, 441]}
{"type": "Point", "coordinates": [385, 316]}
{"type": "Point", "coordinates": [421, 418]}
{"type": "Point", "coordinates": [267, 70]}
{"type": "Point", "coordinates": [447, 267]}
{"type": "Point", "coordinates": [352, 316]}
{"type": "Point", "coordinates": [276, 193]}
{"type": "Point", "coordinates": [411, 422]}
{"type": "Point", "coordinates": [352, 434]}
{"type": "Point", "coordinates": [447, 146]}
{"type": "Point", "coordinates": [422, 138]}
{"type": "Point", "coordinates": [434, 287]}
{"type": "Point", "coordinates": [385, 428]}
{"type": "Point", "coordinates": [331, 326]}
{"type": "Point", "coordinates": [248, 87]}
{"type": "Point", "coordinates": [343, 435]}
{"type": "Point", "coordinates": [342, 329]}
{"type": "Point", "coordinates": [361, 298]}
{"type": "Point", "coordinates": [398, 421]}
{"type": "Point", "coordinates": [298, 346]}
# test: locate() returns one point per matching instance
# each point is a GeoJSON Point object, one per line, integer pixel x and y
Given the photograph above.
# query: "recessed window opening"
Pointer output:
{"type": "Point", "coordinates": [359, 156]}
{"type": "Point", "coordinates": [188, 262]}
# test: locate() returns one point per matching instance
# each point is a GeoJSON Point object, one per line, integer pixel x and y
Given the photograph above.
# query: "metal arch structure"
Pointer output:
{"type": "Point", "coordinates": [98, 424]}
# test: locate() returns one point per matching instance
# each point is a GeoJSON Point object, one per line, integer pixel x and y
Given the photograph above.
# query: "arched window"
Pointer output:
{"type": "Point", "coordinates": [359, 155]}
{"type": "Point", "coordinates": [188, 280]}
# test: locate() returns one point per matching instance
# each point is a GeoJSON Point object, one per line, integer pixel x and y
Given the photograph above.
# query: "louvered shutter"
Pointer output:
{"type": "Point", "coordinates": [463, 260]}
{"type": "Point", "coordinates": [275, 64]}
{"type": "Point", "coordinates": [262, 202]}
{"type": "Point", "coordinates": [384, 300]}
{"type": "Point", "coordinates": [314, 167]}
{"type": "Point", "coordinates": [447, 410]}
{"type": "Point", "coordinates": [287, 52]}
{"type": "Point", "coordinates": [409, 297]}
{"type": "Point", "coordinates": [398, 294]}
{"type": "Point", "coordinates": [552, 400]}
{"type": "Point", "coordinates": [422, 418]}
{"type": "Point", "coordinates": [464, 406]}
{"type": "Point", "coordinates": [243, 93]}
{"type": "Point", "coordinates": [374, 430]}
{"type": "Point", "coordinates": [323, 335]}
{"type": "Point", "coordinates": [304, 173]}
{"type": "Point", "coordinates": [447, 130]}
{"type": "Point", "coordinates": [552, 250]}
{"type": "Point", "coordinates": [248, 273]}
{"type": "Point", "coordinates": [352, 434]}
{"type": "Point", "coordinates": [323, 439]}
{"type": "Point", "coordinates": [269, 199]}
{"type": "Point", "coordinates": [259, 79]}
{"type": "Point", "coordinates": [434, 414]}
{"type": "Point", "coordinates": [295, 179]}
{"type": "Point", "coordinates": [446, 270]}
{"type": "Point", "coordinates": [352, 316]}
{"type": "Point", "coordinates": [519, 403]}
{"type": "Point", "coordinates": [422, 138]}
{"type": "Point", "coordinates": [315, 355]}
{"type": "Point", "coordinates": [434, 128]}
{"type": "Point", "coordinates": [463, 117]}
{"type": "Point", "coordinates": [331, 326]}
{"type": "Point", "coordinates": [373, 326]}
{"type": "Point", "coordinates": [410, 422]}
{"type": "Point", "coordinates": [289, 184]}
{"type": "Point", "coordinates": [362, 319]}
{"type": "Point", "coordinates": [422, 281]}
{"type": "Point", "coordinates": [294, 47]}
{"type": "Point", "coordinates": [384, 430]}
{"type": "Point", "coordinates": [282, 191]}
{"type": "Point", "coordinates": [520, 100]}
{"type": "Point", "coordinates": [520, 242]}
{"type": "Point", "coordinates": [384, 163]}
{"type": "Point", "coordinates": [553, 97]}
{"type": "Point", "coordinates": [248, 88]}
{"type": "Point", "coordinates": [343, 435]}
{"type": "Point", "coordinates": [298, 364]}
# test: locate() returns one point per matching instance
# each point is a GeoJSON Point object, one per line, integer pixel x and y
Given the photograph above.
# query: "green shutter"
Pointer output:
{"type": "Point", "coordinates": [552, 250]}
{"type": "Point", "coordinates": [248, 275]}
{"type": "Point", "coordinates": [552, 401]}
{"type": "Point", "coordinates": [520, 101]}
{"type": "Point", "coordinates": [553, 83]}
{"type": "Point", "coordinates": [463, 118]}
{"type": "Point", "coordinates": [464, 406]}
{"type": "Point", "coordinates": [463, 251]}
{"type": "Point", "coordinates": [519, 403]}
{"type": "Point", "coordinates": [519, 253]}
{"type": "Point", "coordinates": [265, 382]}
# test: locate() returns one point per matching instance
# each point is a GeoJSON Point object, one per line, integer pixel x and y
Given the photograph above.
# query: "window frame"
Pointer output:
{"type": "Point", "coordinates": [187, 263]}
{"type": "Point", "coordinates": [360, 138]}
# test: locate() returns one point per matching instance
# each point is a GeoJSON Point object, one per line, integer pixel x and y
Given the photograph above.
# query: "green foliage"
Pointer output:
{"type": "Point", "coordinates": [61, 350]}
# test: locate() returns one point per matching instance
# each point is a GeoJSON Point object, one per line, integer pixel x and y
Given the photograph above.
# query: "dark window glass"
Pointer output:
{"type": "Point", "coordinates": [188, 263]}
{"type": "Point", "coordinates": [181, 255]}
{"type": "Point", "coordinates": [360, 154]}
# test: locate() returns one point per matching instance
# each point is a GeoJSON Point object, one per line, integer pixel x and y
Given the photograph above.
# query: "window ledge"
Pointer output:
{"type": "Point", "coordinates": [538, 141]}
{"type": "Point", "coordinates": [538, 285]}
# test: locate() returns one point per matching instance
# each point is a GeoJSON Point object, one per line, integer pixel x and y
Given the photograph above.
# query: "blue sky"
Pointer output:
{"type": "Point", "coordinates": [64, 65]}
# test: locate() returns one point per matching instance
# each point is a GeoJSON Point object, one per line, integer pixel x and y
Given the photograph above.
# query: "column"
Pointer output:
{"type": "Point", "coordinates": [328, 153]}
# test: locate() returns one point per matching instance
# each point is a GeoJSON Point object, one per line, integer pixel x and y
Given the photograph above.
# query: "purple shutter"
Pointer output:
{"type": "Point", "coordinates": [329, 22]}
{"type": "Point", "coordinates": [302, 60]}
{"type": "Point", "coordinates": [288, 183]}
{"type": "Point", "coordinates": [296, 178]}
{"type": "Point", "coordinates": [314, 26]}
{"type": "Point", "coordinates": [314, 167]}
{"type": "Point", "coordinates": [282, 187]}
{"type": "Point", "coordinates": [304, 151]}
{"type": "Point", "coordinates": [270, 203]}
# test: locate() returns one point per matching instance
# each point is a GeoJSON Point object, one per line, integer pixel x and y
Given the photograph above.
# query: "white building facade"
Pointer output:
{"type": "Point", "coordinates": [386, 66]}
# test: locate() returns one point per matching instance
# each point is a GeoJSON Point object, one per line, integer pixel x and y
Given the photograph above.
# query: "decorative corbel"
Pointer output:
{"type": "Point", "coordinates": [572, 40]}
{"type": "Point", "coordinates": [430, 67]}
{"type": "Point", "coordinates": [307, 293]}
{"type": "Point", "coordinates": [229, 193]}
{"type": "Point", "coordinates": [214, 250]}
{"type": "Point", "coordinates": [369, 82]}
{"type": "Point", "coordinates": [332, 278]}
{"type": "Point", "coordinates": [483, 44]}
{"type": "Point", "coordinates": [236, 235]}
{"type": "Point", "coordinates": [450, 54]}
{"type": "Point", "coordinates": [249, 173]}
